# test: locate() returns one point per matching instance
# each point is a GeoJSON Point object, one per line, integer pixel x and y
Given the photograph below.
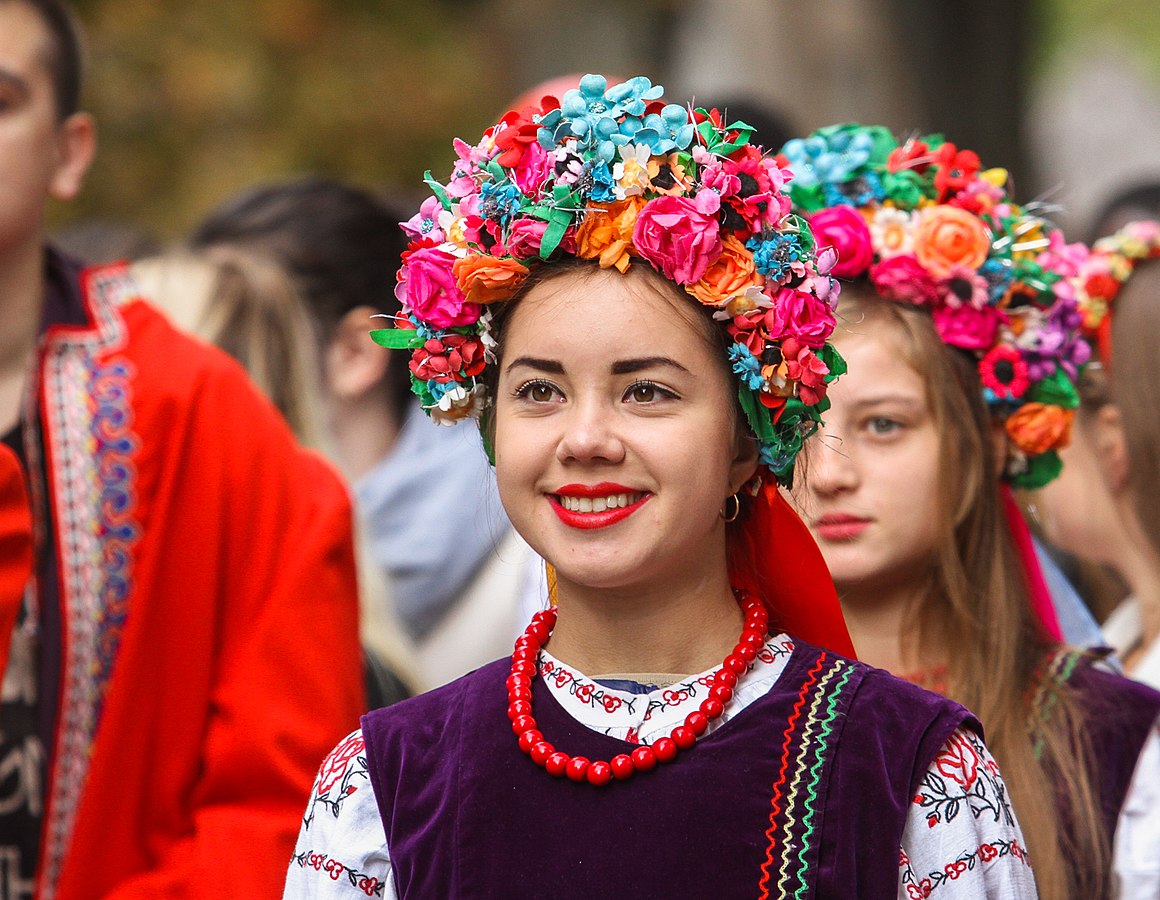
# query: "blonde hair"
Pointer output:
{"type": "Point", "coordinates": [249, 307]}
{"type": "Point", "coordinates": [976, 602]}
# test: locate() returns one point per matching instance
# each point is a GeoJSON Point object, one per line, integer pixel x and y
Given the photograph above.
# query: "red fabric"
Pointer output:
{"type": "Point", "coordinates": [1037, 592]}
{"type": "Point", "coordinates": [239, 664]}
{"type": "Point", "coordinates": [773, 555]}
{"type": "Point", "coordinates": [15, 546]}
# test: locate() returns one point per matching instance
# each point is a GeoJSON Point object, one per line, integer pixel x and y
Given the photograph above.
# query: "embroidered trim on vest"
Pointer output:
{"type": "Point", "coordinates": [807, 746]}
{"type": "Point", "coordinates": [88, 429]}
{"type": "Point", "coordinates": [1055, 673]}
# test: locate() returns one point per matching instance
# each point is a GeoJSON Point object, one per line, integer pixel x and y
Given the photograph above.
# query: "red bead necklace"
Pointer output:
{"type": "Point", "coordinates": [643, 758]}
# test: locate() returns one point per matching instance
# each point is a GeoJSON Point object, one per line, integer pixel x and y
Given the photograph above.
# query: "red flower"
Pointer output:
{"type": "Point", "coordinates": [1004, 373]}
{"type": "Point", "coordinates": [514, 134]}
{"type": "Point", "coordinates": [334, 766]}
{"type": "Point", "coordinates": [1102, 285]}
{"type": "Point", "coordinates": [455, 357]}
{"type": "Point", "coordinates": [931, 821]}
{"type": "Point", "coordinates": [611, 704]}
{"type": "Point", "coordinates": [914, 154]}
{"type": "Point", "coordinates": [959, 761]}
{"type": "Point", "coordinates": [956, 168]}
{"type": "Point", "coordinates": [987, 852]}
{"type": "Point", "coordinates": [955, 869]}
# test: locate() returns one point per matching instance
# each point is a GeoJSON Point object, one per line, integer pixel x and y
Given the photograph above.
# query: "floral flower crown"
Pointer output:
{"type": "Point", "coordinates": [927, 225]}
{"type": "Point", "coordinates": [1103, 273]}
{"type": "Point", "coordinates": [613, 175]}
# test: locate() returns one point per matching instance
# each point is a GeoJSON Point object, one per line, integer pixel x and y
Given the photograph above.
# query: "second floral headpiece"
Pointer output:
{"type": "Point", "coordinates": [926, 225]}
{"type": "Point", "coordinates": [614, 175]}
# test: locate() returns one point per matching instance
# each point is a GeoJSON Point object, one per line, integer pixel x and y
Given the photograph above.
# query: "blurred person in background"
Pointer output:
{"type": "Point", "coordinates": [185, 647]}
{"type": "Point", "coordinates": [249, 306]}
{"type": "Point", "coordinates": [457, 571]}
{"type": "Point", "coordinates": [1104, 507]}
{"type": "Point", "coordinates": [960, 327]}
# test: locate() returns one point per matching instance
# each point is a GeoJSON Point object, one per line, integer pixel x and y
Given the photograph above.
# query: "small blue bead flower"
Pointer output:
{"type": "Point", "coordinates": [773, 256]}
{"type": "Point", "coordinates": [746, 367]}
{"type": "Point", "coordinates": [500, 202]}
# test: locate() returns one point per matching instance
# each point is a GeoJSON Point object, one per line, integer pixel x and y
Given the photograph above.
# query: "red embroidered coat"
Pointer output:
{"type": "Point", "coordinates": [210, 651]}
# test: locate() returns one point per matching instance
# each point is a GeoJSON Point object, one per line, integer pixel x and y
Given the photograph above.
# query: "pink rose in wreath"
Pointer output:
{"type": "Point", "coordinates": [680, 236]}
{"type": "Point", "coordinates": [904, 278]}
{"type": "Point", "coordinates": [844, 229]}
{"type": "Point", "coordinates": [427, 285]}
{"type": "Point", "coordinates": [334, 766]}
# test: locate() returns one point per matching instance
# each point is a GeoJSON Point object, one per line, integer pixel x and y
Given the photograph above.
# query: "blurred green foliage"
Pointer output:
{"type": "Point", "coordinates": [197, 100]}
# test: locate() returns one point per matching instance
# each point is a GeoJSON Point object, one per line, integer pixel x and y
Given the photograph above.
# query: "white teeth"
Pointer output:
{"type": "Point", "coordinates": [597, 504]}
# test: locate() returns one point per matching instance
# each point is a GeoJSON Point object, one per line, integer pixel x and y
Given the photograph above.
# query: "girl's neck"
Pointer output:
{"type": "Point", "coordinates": [881, 620]}
{"type": "Point", "coordinates": [656, 628]}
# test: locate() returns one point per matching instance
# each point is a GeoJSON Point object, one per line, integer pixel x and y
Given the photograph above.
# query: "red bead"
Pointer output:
{"type": "Point", "coordinates": [721, 692]}
{"type": "Point", "coordinates": [515, 681]}
{"type": "Point", "coordinates": [753, 638]}
{"type": "Point", "coordinates": [735, 664]}
{"type": "Point", "coordinates": [520, 692]}
{"type": "Point", "coordinates": [622, 766]}
{"type": "Point", "coordinates": [665, 749]}
{"type": "Point", "coordinates": [520, 724]}
{"type": "Point", "coordinates": [524, 656]}
{"type": "Point", "coordinates": [684, 737]}
{"type": "Point", "coordinates": [599, 773]}
{"type": "Point", "coordinates": [519, 708]}
{"type": "Point", "coordinates": [557, 764]}
{"type": "Point", "coordinates": [644, 759]}
{"type": "Point", "coordinates": [712, 708]}
{"type": "Point", "coordinates": [578, 768]}
{"type": "Point", "coordinates": [539, 633]}
{"type": "Point", "coordinates": [529, 739]}
{"type": "Point", "coordinates": [541, 752]}
{"type": "Point", "coordinates": [524, 667]}
{"type": "Point", "coordinates": [697, 721]}
{"type": "Point", "coordinates": [747, 652]}
{"type": "Point", "coordinates": [725, 677]}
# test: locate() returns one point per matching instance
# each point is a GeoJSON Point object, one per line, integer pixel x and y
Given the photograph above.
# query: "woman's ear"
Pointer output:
{"type": "Point", "coordinates": [355, 365]}
{"type": "Point", "coordinates": [744, 461]}
{"type": "Point", "coordinates": [76, 146]}
{"type": "Point", "coordinates": [1111, 447]}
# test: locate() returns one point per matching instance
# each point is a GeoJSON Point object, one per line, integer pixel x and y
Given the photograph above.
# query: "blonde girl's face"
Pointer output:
{"type": "Point", "coordinates": [615, 440]}
{"type": "Point", "coordinates": [870, 494]}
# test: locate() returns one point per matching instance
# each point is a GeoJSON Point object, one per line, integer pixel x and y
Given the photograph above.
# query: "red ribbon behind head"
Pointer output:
{"type": "Point", "coordinates": [773, 555]}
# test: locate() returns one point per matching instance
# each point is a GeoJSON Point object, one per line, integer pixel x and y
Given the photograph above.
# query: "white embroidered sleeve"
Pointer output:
{"type": "Point", "coordinates": [961, 838]}
{"type": "Point", "coordinates": [342, 849]}
{"type": "Point", "coordinates": [1136, 855]}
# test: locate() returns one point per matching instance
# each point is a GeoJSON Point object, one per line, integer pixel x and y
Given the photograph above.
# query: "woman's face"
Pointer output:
{"type": "Point", "coordinates": [871, 486]}
{"type": "Point", "coordinates": [615, 440]}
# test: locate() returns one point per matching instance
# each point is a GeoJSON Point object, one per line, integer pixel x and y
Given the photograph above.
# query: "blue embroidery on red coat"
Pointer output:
{"type": "Point", "coordinates": [114, 451]}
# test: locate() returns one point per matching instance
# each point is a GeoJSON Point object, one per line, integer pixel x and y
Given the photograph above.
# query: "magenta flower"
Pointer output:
{"type": "Point", "coordinates": [904, 278]}
{"type": "Point", "coordinates": [843, 229]}
{"type": "Point", "coordinates": [428, 288]}
{"type": "Point", "coordinates": [680, 236]}
{"type": "Point", "coordinates": [799, 315]}
{"type": "Point", "coordinates": [968, 327]}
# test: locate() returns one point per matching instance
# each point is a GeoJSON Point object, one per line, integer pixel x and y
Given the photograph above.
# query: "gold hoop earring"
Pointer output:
{"type": "Point", "coordinates": [731, 516]}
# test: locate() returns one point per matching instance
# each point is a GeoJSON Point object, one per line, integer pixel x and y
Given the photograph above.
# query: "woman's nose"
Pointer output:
{"type": "Point", "coordinates": [591, 433]}
{"type": "Point", "coordinates": [830, 466]}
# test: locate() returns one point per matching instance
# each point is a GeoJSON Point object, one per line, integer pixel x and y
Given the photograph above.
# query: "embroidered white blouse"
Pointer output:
{"type": "Point", "coordinates": [960, 840]}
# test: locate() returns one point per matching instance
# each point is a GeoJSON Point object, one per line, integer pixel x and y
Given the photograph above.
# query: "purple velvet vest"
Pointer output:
{"type": "Point", "coordinates": [804, 793]}
{"type": "Point", "coordinates": [1119, 714]}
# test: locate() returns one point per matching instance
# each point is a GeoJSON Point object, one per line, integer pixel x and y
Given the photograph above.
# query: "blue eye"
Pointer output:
{"type": "Point", "coordinates": [884, 425]}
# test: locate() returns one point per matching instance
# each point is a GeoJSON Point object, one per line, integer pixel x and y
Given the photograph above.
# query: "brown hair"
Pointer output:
{"type": "Point", "coordinates": [976, 602]}
{"type": "Point", "coordinates": [63, 57]}
{"type": "Point", "coordinates": [1135, 371]}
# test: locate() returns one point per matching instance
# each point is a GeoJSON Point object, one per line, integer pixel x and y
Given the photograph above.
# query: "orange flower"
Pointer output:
{"type": "Point", "coordinates": [730, 275]}
{"type": "Point", "coordinates": [1038, 427]}
{"type": "Point", "coordinates": [947, 237]}
{"type": "Point", "coordinates": [666, 175]}
{"type": "Point", "coordinates": [606, 232]}
{"type": "Point", "coordinates": [485, 279]}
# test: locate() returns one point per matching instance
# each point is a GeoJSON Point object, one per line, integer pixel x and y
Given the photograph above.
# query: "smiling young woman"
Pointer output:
{"type": "Point", "coordinates": [961, 331]}
{"type": "Point", "coordinates": [617, 289]}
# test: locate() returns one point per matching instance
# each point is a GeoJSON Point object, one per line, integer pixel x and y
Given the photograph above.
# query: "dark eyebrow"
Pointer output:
{"type": "Point", "coordinates": [879, 399]}
{"type": "Point", "coordinates": [551, 366]}
{"type": "Point", "coordinates": [628, 366]}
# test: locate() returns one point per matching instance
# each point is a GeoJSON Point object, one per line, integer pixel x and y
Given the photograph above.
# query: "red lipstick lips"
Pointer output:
{"type": "Point", "coordinates": [589, 506]}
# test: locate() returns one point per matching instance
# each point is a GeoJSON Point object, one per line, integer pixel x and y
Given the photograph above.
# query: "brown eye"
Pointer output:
{"type": "Point", "coordinates": [540, 393]}
{"type": "Point", "coordinates": [643, 393]}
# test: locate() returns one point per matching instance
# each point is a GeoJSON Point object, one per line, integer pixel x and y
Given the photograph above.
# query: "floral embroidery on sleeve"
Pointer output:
{"type": "Point", "coordinates": [321, 862]}
{"type": "Point", "coordinates": [963, 775]}
{"type": "Point", "coordinates": [343, 772]}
